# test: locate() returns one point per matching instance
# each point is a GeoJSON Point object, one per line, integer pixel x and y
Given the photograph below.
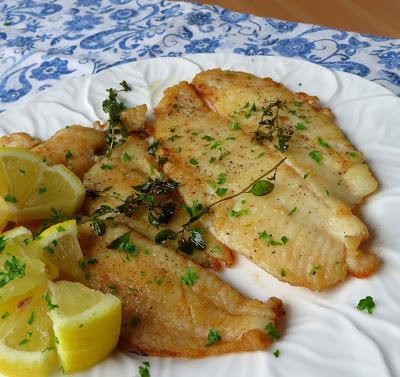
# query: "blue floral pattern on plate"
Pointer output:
{"type": "Point", "coordinates": [44, 41]}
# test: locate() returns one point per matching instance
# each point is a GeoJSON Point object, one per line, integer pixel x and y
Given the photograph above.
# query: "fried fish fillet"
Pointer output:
{"type": "Point", "coordinates": [19, 140]}
{"type": "Point", "coordinates": [169, 304]}
{"type": "Point", "coordinates": [74, 146]}
{"type": "Point", "coordinates": [342, 171]}
{"type": "Point", "coordinates": [295, 233]}
{"type": "Point", "coordinates": [130, 165]}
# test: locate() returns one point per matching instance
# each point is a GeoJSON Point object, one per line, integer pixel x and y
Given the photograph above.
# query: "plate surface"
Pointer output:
{"type": "Point", "coordinates": [325, 334]}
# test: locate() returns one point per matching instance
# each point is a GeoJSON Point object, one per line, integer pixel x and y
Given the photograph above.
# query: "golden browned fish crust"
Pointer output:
{"type": "Point", "coordinates": [342, 170]}
{"type": "Point", "coordinates": [74, 146]}
{"type": "Point", "coordinates": [163, 316]}
{"type": "Point", "coordinates": [131, 165]}
{"type": "Point", "coordinates": [19, 140]}
{"type": "Point", "coordinates": [322, 236]}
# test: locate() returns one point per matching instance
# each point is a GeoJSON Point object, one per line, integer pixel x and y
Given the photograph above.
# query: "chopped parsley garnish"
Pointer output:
{"type": "Point", "coordinates": [31, 318]}
{"type": "Point", "coordinates": [216, 144]}
{"type": "Point", "coordinates": [323, 143]}
{"type": "Point", "coordinates": [213, 337]}
{"type": "Point", "coordinates": [49, 304]}
{"type": "Point", "coordinates": [193, 161]}
{"type": "Point", "coordinates": [221, 178]}
{"type": "Point", "coordinates": [297, 103]}
{"type": "Point", "coordinates": [68, 154]}
{"type": "Point", "coordinates": [352, 154]}
{"type": "Point", "coordinates": [292, 211]}
{"type": "Point", "coordinates": [126, 157]}
{"type": "Point", "coordinates": [235, 125]}
{"type": "Point", "coordinates": [283, 272]}
{"type": "Point", "coordinates": [106, 166]}
{"type": "Point", "coordinates": [238, 213]}
{"type": "Point", "coordinates": [5, 315]}
{"type": "Point", "coordinates": [215, 249]}
{"type": "Point", "coordinates": [316, 156]}
{"type": "Point", "coordinates": [54, 218]}
{"type": "Point", "coordinates": [261, 155]}
{"type": "Point", "coordinates": [284, 240]}
{"type": "Point", "coordinates": [174, 137]}
{"type": "Point", "coordinates": [305, 176]}
{"type": "Point", "coordinates": [10, 198]}
{"type": "Point", "coordinates": [221, 191]}
{"type": "Point", "coordinates": [60, 229]}
{"type": "Point", "coordinates": [212, 160]}
{"type": "Point", "coordinates": [189, 277]}
{"type": "Point", "coordinates": [144, 370]}
{"type": "Point", "coordinates": [22, 171]}
{"type": "Point", "coordinates": [251, 111]}
{"type": "Point", "coordinates": [42, 189]}
{"type": "Point", "coordinates": [3, 243]}
{"type": "Point", "coordinates": [300, 126]}
{"type": "Point", "coordinates": [314, 268]}
{"type": "Point", "coordinates": [81, 264]}
{"type": "Point", "coordinates": [366, 303]}
{"type": "Point", "coordinates": [123, 243]}
{"type": "Point", "coordinates": [271, 331]}
{"type": "Point", "coordinates": [267, 238]}
{"type": "Point", "coordinates": [277, 353]}
{"type": "Point", "coordinates": [207, 138]}
{"type": "Point", "coordinates": [14, 269]}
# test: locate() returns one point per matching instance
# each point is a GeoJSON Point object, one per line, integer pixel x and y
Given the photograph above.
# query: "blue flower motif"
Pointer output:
{"type": "Point", "coordinates": [199, 18]}
{"type": "Point", "coordinates": [52, 69]}
{"type": "Point", "coordinates": [294, 47]}
{"type": "Point", "coordinates": [390, 59]}
{"type": "Point", "coordinates": [152, 51]}
{"type": "Point", "coordinates": [252, 50]}
{"type": "Point", "coordinates": [87, 3]}
{"type": "Point", "coordinates": [119, 2]}
{"type": "Point", "coordinates": [80, 23]}
{"type": "Point", "coordinates": [123, 15]}
{"type": "Point", "coordinates": [353, 45]}
{"type": "Point", "coordinates": [32, 26]}
{"type": "Point", "coordinates": [233, 17]}
{"type": "Point", "coordinates": [282, 26]}
{"type": "Point", "coordinates": [12, 95]}
{"type": "Point", "coordinates": [202, 45]}
{"type": "Point", "coordinates": [23, 43]}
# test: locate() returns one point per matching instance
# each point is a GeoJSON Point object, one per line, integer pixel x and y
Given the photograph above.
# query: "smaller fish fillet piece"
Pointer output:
{"type": "Point", "coordinates": [131, 165]}
{"type": "Point", "coordinates": [342, 170]}
{"type": "Point", "coordinates": [162, 316]}
{"type": "Point", "coordinates": [19, 140]}
{"type": "Point", "coordinates": [74, 146]}
{"type": "Point", "coordinates": [323, 235]}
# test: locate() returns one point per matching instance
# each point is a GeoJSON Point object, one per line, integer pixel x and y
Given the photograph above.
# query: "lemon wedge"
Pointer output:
{"type": "Point", "coordinates": [29, 188]}
{"type": "Point", "coordinates": [59, 246]}
{"type": "Point", "coordinates": [27, 346]}
{"type": "Point", "coordinates": [86, 324]}
{"type": "Point", "coordinates": [19, 272]}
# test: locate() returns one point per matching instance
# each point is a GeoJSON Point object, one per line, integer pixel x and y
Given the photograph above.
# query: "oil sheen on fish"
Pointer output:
{"type": "Point", "coordinates": [297, 233]}
{"type": "Point", "coordinates": [169, 303]}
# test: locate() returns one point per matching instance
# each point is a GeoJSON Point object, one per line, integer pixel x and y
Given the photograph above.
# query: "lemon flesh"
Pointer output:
{"type": "Point", "coordinates": [29, 188]}
{"type": "Point", "coordinates": [86, 324]}
{"type": "Point", "coordinates": [27, 346]}
{"type": "Point", "coordinates": [59, 246]}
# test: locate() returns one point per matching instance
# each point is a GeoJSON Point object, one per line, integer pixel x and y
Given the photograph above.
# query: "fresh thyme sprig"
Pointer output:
{"type": "Point", "coordinates": [270, 122]}
{"type": "Point", "coordinates": [116, 133]}
{"type": "Point", "coordinates": [146, 196]}
{"type": "Point", "coordinates": [191, 238]}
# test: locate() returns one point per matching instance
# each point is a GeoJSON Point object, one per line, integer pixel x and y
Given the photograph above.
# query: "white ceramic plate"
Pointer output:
{"type": "Point", "coordinates": [326, 335]}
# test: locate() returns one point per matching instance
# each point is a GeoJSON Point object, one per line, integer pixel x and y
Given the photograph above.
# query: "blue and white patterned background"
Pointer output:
{"type": "Point", "coordinates": [44, 41]}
